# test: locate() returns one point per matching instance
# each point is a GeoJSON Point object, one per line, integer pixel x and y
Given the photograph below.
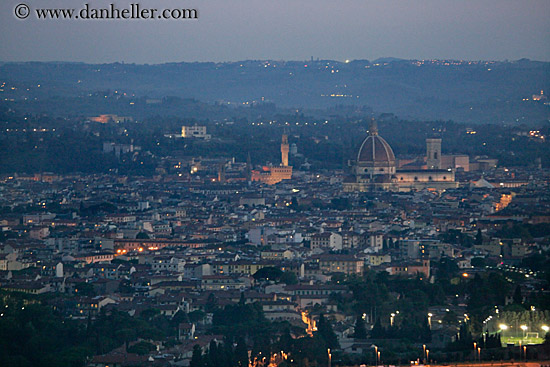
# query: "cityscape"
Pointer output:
{"type": "Point", "coordinates": [161, 257]}
{"type": "Point", "coordinates": [201, 191]}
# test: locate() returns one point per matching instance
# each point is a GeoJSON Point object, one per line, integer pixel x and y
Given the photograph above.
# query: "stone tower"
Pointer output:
{"type": "Point", "coordinates": [433, 153]}
{"type": "Point", "coordinates": [284, 151]}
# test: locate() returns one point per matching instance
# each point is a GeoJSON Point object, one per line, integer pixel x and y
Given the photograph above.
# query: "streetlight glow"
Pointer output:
{"type": "Point", "coordinates": [524, 328]}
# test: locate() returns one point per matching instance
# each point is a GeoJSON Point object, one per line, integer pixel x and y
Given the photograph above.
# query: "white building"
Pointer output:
{"type": "Point", "coordinates": [195, 131]}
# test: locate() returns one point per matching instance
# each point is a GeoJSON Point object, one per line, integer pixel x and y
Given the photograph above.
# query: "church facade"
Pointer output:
{"type": "Point", "coordinates": [375, 169]}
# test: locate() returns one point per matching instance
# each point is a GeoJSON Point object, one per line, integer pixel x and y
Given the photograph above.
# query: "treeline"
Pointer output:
{"type": "Point", "coordinates": [34, 334]}
{"type": "Point", "coordinates": [265, 338]}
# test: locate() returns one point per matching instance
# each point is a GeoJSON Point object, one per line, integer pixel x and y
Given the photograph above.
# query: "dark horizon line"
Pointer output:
{"type": "Point", "coordinates": [387, 59]}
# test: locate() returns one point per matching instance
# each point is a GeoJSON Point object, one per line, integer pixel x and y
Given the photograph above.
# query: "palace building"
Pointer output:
{"type": "Point", "coordinates": [375, 168]}
{"type": "Point", "coordinates": [273, 174]}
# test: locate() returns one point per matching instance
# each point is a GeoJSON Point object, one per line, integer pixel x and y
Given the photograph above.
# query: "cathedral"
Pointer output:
{"type": "Point", "coordinates": [376, 168]}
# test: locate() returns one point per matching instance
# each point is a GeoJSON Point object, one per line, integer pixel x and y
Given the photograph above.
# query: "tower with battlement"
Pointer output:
{"type": "Point", "coordinates": [284, 151]}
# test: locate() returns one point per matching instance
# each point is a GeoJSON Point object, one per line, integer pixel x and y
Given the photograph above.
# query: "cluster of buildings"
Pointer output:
{"type": "Point", "coordinates": [172, 242]}
{"type": "Point", "coordinates": [376, 167]}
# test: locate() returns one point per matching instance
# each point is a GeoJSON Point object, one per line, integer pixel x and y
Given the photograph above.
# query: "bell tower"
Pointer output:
{"type": "Point", "coordinates": [284, 151]}
{"type": "Point", "coordinates": [433, 153]}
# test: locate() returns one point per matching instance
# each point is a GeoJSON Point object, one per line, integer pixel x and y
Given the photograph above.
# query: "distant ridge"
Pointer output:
{"type": "Point", "coordinates": [459, 90]}
{"type": "Point", "coordinates": [388, 59]}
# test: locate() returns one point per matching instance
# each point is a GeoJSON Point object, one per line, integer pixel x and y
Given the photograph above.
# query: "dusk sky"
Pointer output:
{"type": "Point", "coordinates": [230, 30]}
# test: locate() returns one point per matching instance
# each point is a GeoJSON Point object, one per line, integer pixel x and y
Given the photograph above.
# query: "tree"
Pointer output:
{"type": "Point", "coordinates": [149, 313]}
{"type": "Point", "coordinates": [268, 273]}
{"type": "Point", "coordinates": [211, 303]}
{"type": "Point", "coordinates": [324, 328]}
{"type": "Point", "coordinates": [378, 331]}
{"type": "Point", "coordinates": [360, 328]}
{"type": "Point", "coordinates": [126, 335]}
{"type": "Point", "coordinates": [196, 358]}
{"type": "Point", "coordinates": [141, 348]}
{"type": "Point", "coordinates": [241, 353]}
{"type": "Point", "coordinates": [518, 298]}
{"type": "Point", "coordinates": [228, 354]}
{"type": "Point", "coordinates": [478, 262]}
{"type": "Point", "coordinates": [142, 236]}
{"type": "Point", "coordinates": [289, 278]}
{"type": "Point", "coordinates": [179, 318]}
{"type": "Point", "coordinates": [215, 355]}
{"type": "Point", "coordinates": [479, 238]}
{"type": "Point", "coordinates": [195, 316]}
{"type": "Point", "coordinates": [85, 289]}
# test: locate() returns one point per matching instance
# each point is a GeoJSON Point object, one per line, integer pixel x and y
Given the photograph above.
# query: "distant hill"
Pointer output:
{"type": "Point", "coordinates": [387, 59]}
{"type": "Point", "coordinates": [465, 91]}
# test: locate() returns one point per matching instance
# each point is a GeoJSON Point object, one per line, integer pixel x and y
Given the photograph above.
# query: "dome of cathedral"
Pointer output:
{"type": "Point", "coordinates": [375, 150]}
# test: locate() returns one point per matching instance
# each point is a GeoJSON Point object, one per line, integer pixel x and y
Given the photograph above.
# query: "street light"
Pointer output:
{"type": "Point", "coordinates": [430, 320]}
{"type": "Point", "coordinates": [524, 328]}
{"type": "Point", "coordinates": [427, 356]}
{"type": "Point", "coordinates": [424, 352]}
{"type": "Point", "coordinates": [391, 319]}
{"type": "Point", "coordinates": [479, 353]}
{"type": "Point", "coordinates": [329, 357]}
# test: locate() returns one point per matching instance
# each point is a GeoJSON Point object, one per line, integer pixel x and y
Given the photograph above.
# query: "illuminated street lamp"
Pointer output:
{"type": "Point", "coordinates": [479, 353]}
{"type": "Point", "coordinates": [391, 319]}
{"type": "Point", "coordinates": [424, 352]}
{"type": "Point", "coordinates": [427, 356]}
{"type": "Point", "coordinates": [329, 357]}
{"type": "Point", "coordinates": [524, 328]}
{"type": "Point", "coordinates": [430, 320]}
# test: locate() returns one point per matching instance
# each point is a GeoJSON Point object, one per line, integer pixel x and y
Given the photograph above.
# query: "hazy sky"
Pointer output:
{"type": "Point", "coordinates": [229, 30]}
